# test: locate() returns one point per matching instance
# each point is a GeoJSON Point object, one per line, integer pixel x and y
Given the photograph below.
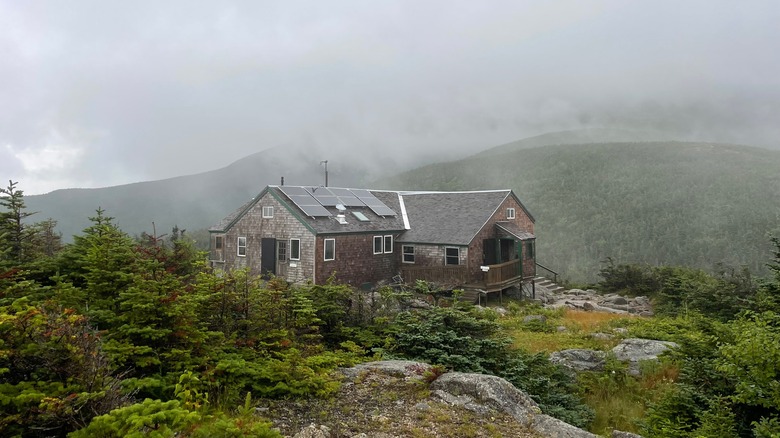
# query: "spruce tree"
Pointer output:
{"type": "Point", "coordinates": [12, 226]}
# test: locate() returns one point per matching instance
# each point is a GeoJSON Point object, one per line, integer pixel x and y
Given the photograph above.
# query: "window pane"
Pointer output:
{"type": "Point", "coordinates": [451, 256]}
{"type": "Point", "coordinates": [241, 246]}
{"type": "Point", "coordinates": [281, 251]}
{"type": "Point", "coordinates": [218, 242]}
{"type": "Point", "coordinates": [388, 243]}
{"type": "Point", "coordinates": [295, 249]}
{"type": "Point", "coordinates": [408, 252]}
{"type": "Point", "coordinates": [330, 249]}
{"type": "Point", "coordinates": [377, 244]}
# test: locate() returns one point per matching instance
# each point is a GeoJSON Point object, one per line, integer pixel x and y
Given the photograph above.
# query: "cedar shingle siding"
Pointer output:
{"type": "Point", "coordinates": [429, 221]}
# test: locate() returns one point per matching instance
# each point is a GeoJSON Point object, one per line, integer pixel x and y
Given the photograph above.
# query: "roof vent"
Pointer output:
{"type": "Point", "coordinates": [341, 218]}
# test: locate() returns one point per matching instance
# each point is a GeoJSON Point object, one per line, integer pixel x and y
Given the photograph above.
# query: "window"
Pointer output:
{"type": "Point", "coordinates": [529, 249]}
{"type": "Point", "coordinates": [510, 213]}
{"type": "Point", "coordinates": [330, 249]}
{"type": "Point", "coordinates": [281, 251]}
{"type": "Point", "coordinates": [218, 242]}
{"type": "Point", "coordinates": [360, 216]}
{"type": "Point", "coordinates": [451, 256]}
{"type": "Point", "coordinates": [377, 244]}
{"type": "Point", "coordinates": [268, 211]}
{"type": "Point", "coordinates": [241, 247]}
{"type": "Point", "coordinates": [408, 252]}
{"type": "Point", "coordinates": [388, 243]}
{"type": "Point", "coordinates": [295, 249]}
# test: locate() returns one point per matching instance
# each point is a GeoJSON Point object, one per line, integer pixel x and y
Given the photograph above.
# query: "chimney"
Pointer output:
{"type": "Point", "coordinates": [282, 182]}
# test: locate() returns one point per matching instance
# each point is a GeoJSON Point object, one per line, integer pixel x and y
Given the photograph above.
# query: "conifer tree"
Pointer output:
{"type": "Point", "coordinates": [12, 226]}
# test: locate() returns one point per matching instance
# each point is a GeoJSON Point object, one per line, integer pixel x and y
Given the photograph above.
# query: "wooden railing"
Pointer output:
{"type": "Point", "coordinates": [502, 272]}
{"type": "Point", "coordinates": [459, 275]}
{"type": "Point", "coordinates": [436, 274]}
{"type": "Point", "coordinates": [554, 274]}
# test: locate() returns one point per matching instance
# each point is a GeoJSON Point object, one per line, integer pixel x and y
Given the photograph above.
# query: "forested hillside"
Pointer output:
{"type": "Point", "coordinates": [693, 204]}
{"type": "Point", "coordinates": [192, 202]}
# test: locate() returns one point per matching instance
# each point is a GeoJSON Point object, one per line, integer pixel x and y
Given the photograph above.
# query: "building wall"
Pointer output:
{"type": "Point", "coordinates": [282, 226]}
{"type": "Point", "coordinates": [430, 255]}
{"type": "Point", "coordinates": [476, 249]}
{"type": "Point", "coordinates": [355, 262]}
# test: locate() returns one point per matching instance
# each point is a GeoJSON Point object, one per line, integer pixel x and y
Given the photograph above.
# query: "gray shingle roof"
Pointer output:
{"type": "Point", "coordinates": [452, 218]}
{"type": "Point", "coordinates": [511, 229]}
{"type": "Point", "coordinates": [449, 217]}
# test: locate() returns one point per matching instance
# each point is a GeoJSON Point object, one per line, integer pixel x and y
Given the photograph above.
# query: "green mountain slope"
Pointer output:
{"type": "Point", "coordinates": [192, 202]}
{"type": "Point", "coordinates": [693, 204]}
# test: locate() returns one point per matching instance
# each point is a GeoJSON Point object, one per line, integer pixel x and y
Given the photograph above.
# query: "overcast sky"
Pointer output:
{"type": "Point", "coordinates": [98, 93]}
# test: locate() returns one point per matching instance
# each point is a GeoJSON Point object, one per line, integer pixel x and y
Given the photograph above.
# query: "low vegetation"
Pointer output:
{"type": "Point", "coordinates": [112, 336]}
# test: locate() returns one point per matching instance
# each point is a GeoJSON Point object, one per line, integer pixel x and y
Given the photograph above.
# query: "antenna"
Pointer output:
{"type": "Point", "coordinates": [325, 162]}
{"type": "Point", "coordinates": [340, 207]}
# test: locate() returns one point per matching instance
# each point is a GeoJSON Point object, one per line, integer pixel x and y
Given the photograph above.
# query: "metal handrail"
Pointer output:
{"type": "Point", "coordinates": [555, 274]}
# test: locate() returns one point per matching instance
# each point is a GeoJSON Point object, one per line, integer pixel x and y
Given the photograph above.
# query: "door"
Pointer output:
{"type": "Point", "coordinates": [268, 256]}
{"type": "Point", "coordinates": [489, 252]}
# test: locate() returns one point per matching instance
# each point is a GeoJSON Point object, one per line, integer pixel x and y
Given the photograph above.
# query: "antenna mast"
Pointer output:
{"type": "Point", "coordinates": [325, 162]}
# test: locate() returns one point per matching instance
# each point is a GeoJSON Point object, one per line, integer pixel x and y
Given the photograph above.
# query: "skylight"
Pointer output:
{"type": "Point", "coordinates": [360, 216]}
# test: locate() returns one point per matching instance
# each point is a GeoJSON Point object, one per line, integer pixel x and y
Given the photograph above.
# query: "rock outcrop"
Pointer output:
{"type": "Point", "coordinates": [591, 300]}
{"type": "Point", "coordinates": [579, 359]}
{"type": "Point", "coordinates": [478, 391]}
{"type": "Point", "coordinates": [636, 350]}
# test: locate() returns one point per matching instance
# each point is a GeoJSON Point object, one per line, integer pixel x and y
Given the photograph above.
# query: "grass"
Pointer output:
{"type": "Point", "coordinates": [618, 399]}
{"type": "Point", "coordinates": [579, 325]}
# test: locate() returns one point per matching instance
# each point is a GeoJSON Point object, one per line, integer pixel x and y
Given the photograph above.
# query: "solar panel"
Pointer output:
{"type": "Point", "coordinates": [293, 190]}
{"type": "Point", "coordinates": [372, 202]}
{"type": "Point", "coordinates": [382, 210]}
{"type": "Point", "coordinates": [314, 210]}
{"type": "Point", "coordinates": [305, 201]}
{"type": "Point", "coordinates": [323, 196]}
{"type": "Point", "coordinates": [347, 198]}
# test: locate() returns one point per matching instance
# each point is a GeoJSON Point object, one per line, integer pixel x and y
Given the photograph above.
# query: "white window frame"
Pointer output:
{"type": "Point", "coordinates": [378, 242]}
{"type": "Point", "coordinates": [446, 257]}
{"type": "Point", "coordinates": [387, 243]}
{"type": "Point", "coordinates": [241, 245]}
{"type": "Point", "coordinates": [404, 253]}
{"type": "Point", "coordinates": [510, 213]}
{"type": "Point", "coordinates": [325, 250]}
{"type": "Point", "coordinates": [294, 256]}
{"type": "Point", "coordinates": [268, 211]}
{"type": "Point", "coordinates": [281, 251]}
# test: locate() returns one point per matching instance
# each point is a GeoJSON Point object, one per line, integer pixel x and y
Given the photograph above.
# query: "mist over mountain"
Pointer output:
{"type": "Point", "coordinates": [595, 193]}
{"type": "Point", "coordinates": [675, 203]}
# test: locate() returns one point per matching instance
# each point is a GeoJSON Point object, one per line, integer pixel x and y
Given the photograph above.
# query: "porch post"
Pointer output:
{"type": "Point", "coordinates": [519, 244]}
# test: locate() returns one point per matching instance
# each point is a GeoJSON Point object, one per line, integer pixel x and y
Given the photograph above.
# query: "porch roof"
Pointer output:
{"type": "Point", "coordinates": [509, 228]}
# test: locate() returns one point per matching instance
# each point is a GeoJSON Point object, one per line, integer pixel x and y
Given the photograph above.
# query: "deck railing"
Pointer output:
{"type": "Point", "coordinates": [459, 275]}
{"type": "Point", "coordinates": [502, 272]}
{"type": "Point", "coordinates": [438, 274]}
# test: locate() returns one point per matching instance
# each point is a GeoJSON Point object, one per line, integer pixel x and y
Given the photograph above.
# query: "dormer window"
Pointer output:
{"type": "Point", "coordinates": [510, 213]}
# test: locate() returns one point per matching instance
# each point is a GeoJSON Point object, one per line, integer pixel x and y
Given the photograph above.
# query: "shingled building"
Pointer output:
{"type": "Point", "coordinates": [482, 240]}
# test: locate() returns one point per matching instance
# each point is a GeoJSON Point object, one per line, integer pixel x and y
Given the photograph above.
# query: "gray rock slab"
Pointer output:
{"type": "Point", "coordinates": [579, 359]}
{"type": "Point", "coordinates": [397, 368]}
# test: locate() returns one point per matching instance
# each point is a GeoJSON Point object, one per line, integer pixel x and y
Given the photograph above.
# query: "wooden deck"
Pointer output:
{"type": "Point", "coordinates": [499, 276]}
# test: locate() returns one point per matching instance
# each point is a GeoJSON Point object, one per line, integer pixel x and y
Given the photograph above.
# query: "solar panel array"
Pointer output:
{"type": "Point", "coordinates": [313, 201]}
{"type": "Point", "coordinates": [305, 201]}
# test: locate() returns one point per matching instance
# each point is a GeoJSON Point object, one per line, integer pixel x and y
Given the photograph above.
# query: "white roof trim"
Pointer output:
{"type": "Point", "coordinates": [403, 212]}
